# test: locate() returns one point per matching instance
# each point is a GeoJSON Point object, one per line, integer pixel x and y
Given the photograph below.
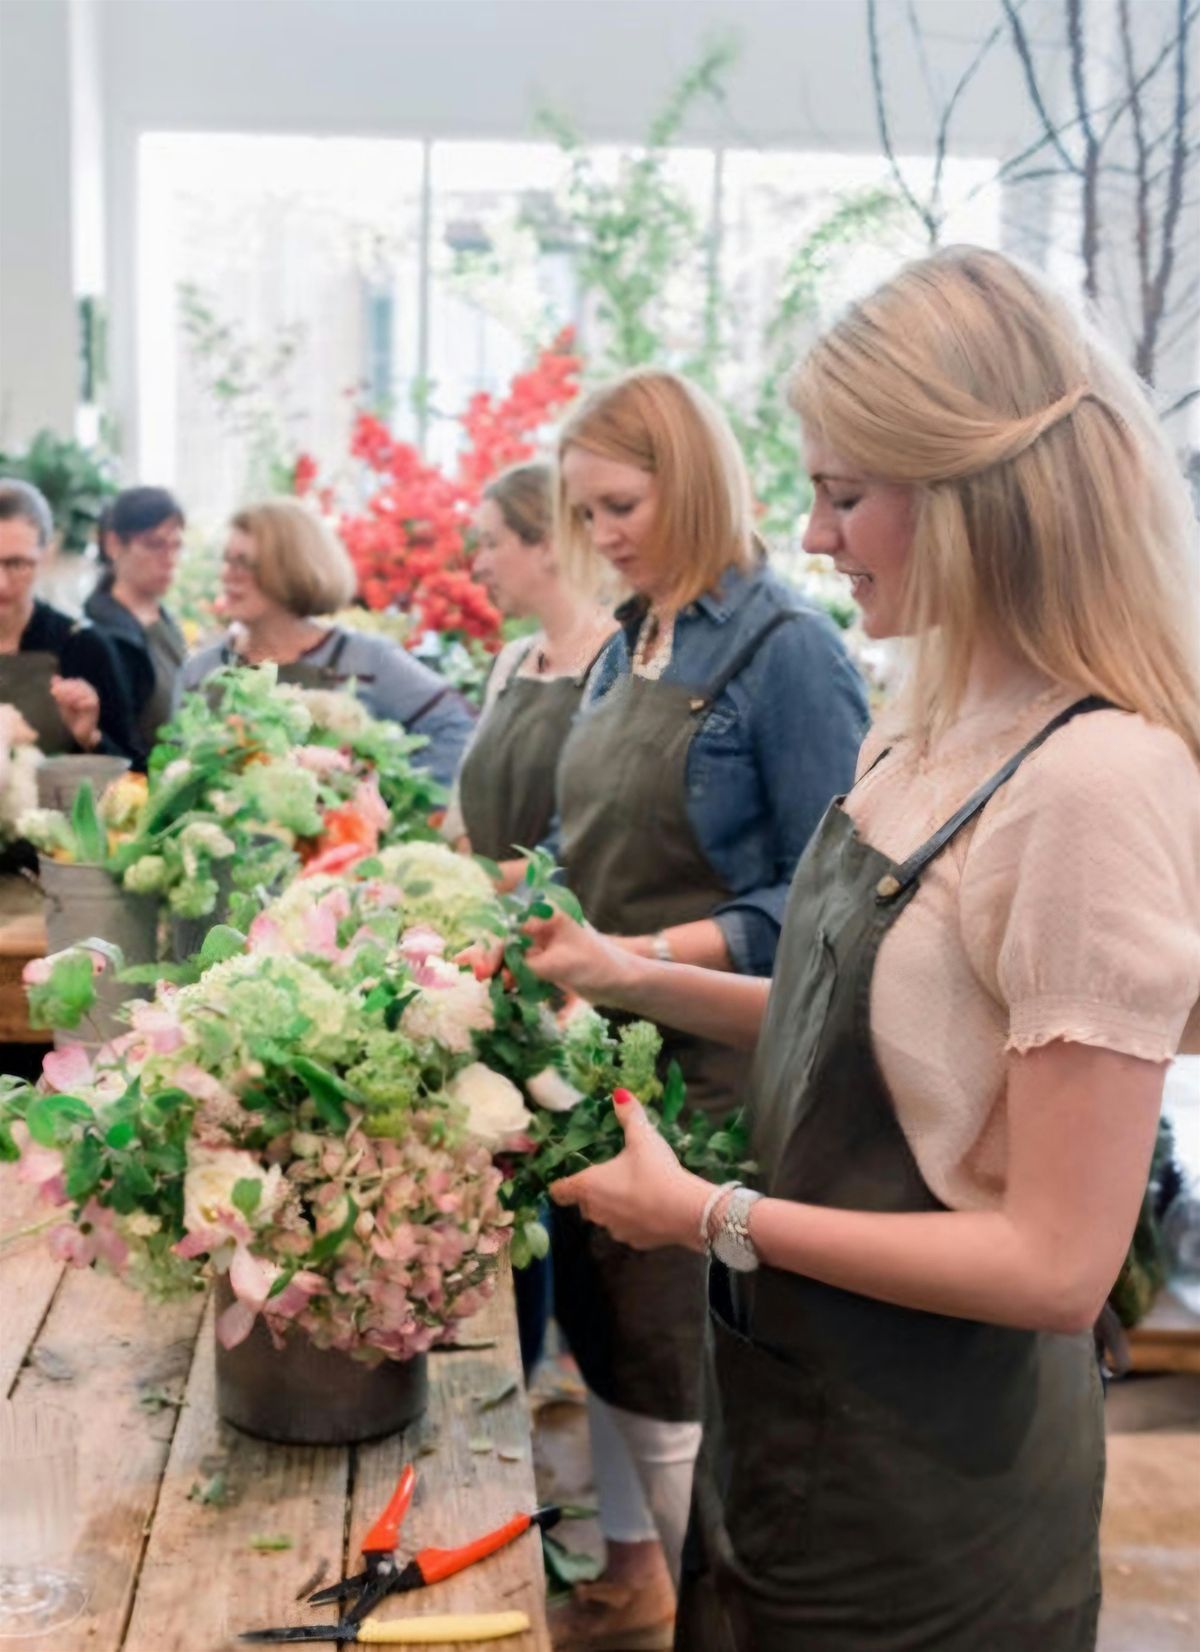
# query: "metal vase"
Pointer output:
{"type": "Point", "coordinates": [303, 1395]}
{"type": "Point", "coordinates": [59, 778]}
{"type": "Point", "coordinates": [82, 901]}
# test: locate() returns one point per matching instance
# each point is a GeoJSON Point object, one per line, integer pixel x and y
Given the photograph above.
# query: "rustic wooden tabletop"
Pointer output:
{"type": "Point", "coordinates": [169, 1571]}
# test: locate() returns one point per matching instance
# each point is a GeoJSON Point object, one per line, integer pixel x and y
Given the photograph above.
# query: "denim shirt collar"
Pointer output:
{"type": "Point", "coordinates": [718, 605]}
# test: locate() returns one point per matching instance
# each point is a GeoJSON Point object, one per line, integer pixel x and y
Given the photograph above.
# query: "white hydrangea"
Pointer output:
{"type": "Point", "coordinates": [330, 710]}
{"type": "Point", "coordinates": [203, 837]}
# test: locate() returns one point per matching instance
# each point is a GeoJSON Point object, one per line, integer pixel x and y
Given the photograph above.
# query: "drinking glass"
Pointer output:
{"type": "Point", "coordinates": [39, 1590]}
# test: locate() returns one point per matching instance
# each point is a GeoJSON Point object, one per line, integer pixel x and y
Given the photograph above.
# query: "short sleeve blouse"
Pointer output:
{"type": "Point", "coordinates": [1069, 910]}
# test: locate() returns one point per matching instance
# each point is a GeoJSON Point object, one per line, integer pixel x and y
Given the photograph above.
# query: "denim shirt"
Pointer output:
{"type": "Point", "coordinates": [779, 744]}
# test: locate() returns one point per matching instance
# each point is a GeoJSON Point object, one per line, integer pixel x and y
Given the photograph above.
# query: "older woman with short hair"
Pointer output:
{"type": "Point", "coordinates": [282, 570]}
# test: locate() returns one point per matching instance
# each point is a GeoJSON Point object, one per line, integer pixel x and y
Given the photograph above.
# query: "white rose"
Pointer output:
{"type": "Point", "coordinates": [212, 1173]}
{"type": "Point", "coordinates": [494, 1107]}
{"type": "Point", "coordinates": [551, 1091]}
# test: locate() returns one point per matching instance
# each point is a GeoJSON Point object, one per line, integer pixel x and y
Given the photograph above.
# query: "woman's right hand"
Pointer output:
{"type": "Point", "coordinates": [575, 956]}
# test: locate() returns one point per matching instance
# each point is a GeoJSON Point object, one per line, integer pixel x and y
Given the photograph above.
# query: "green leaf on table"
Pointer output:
{"type": "Point", "coordinates": [270, 1545]}
{"type": "Point", "coordinates": [505, 1391]}
{"type": "Point", "coordinates": [566, 1567]}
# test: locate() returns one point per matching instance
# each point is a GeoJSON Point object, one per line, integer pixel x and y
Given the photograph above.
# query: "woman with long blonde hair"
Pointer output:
{"type": "Point", "coordinates": [715, 728]}
{"type": "Point", "coordinates": [990, 955]}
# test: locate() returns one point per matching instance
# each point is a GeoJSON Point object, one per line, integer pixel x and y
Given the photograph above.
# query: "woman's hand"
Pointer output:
{"type": "Point", "coordinates": [79, 707]}
{"type": "Point", "coordinates": [574, 956]}
{"type": "Point", "coordinates": [644, 1196]}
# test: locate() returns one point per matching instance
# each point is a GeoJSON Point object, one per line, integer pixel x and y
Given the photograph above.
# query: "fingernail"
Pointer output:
{"type": "Point", "coordinates": [622, 1098]}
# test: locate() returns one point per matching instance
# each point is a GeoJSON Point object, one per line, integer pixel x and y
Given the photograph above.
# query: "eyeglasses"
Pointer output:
{"type": "Point", "coordinates": [236, 563]}
{"type": "Point", "coordinates": [17, 567]}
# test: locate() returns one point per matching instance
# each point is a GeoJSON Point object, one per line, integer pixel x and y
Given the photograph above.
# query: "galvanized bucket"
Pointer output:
{"type": "Point", "coordinates": [303, 1395]}
{"type": "Point", "coordinates": [59, 778]}
{"type": "Point", "coordinates": [82, 901]}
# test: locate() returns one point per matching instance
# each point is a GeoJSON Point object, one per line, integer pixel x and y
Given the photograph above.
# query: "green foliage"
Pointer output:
{"type": "Point", "coordinates": [632, 234]}
{"type": "Point", "coordinates": [77, 482]}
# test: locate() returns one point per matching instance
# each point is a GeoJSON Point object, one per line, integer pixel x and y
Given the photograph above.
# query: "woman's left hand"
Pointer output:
{"type": "Point", "coordinates": [79, 707]}
{"type": "Point", "coordinates": [644, 1196]}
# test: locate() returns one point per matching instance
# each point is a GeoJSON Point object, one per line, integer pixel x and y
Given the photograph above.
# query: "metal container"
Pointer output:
{"type": "Point", "coordinates": [59, 778]}
{"type": "Point", "coordinates": [82, 901]}
{"type": "Point", "coordinates": [303, 1395]}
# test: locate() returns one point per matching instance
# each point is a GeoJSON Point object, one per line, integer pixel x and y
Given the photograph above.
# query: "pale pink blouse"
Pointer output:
{"type": "Point", "coordinates": [1070, 909]}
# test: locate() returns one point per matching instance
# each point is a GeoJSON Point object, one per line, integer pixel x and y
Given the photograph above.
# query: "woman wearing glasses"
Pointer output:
{"type": "Point", "coordinates": [61, 674]}
{"type": "Point", "coordinates": [141, 537]}
{"type": "Point", "coordinates": [282, 570]}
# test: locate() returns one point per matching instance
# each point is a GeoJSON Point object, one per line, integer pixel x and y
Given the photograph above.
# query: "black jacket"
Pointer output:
{"type": "Point", "coordinates": [83, 652]}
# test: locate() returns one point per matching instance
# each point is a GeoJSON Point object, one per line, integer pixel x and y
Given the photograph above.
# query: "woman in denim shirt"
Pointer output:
{"type": "Point", "coordinates": [719, 723]}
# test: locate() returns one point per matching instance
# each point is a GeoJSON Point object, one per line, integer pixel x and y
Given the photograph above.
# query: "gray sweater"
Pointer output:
{"type": "Point", "coordinates": [389, 682]}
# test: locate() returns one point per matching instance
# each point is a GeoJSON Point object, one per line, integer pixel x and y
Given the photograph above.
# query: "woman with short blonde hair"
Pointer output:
{"type": "Point", "coordinates": [991, 952]}
{"type": "Point", "coordinates": [283, 570]}
{"type": "Point", "coordinates": [716, 727]}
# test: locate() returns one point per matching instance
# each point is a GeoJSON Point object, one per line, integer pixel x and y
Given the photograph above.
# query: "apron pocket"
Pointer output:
{"type": "Point", "coordinates": [771, 1433]}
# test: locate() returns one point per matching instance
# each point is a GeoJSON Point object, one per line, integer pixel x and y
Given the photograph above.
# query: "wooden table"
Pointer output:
{"type": "Point", "coordinates": [22, 937]}
{"type": "Point", "coordinates": [171, 1573]}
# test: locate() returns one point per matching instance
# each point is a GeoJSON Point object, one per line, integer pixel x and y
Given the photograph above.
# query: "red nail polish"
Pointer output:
{"type": "Point", "coordinates": [622, 1098]}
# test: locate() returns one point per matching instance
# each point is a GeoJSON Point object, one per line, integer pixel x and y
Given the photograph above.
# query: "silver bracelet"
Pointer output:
{"type": "Point", "coordinates": [662, 948]}
{"type": "Point", "coordinates": [710, 1204]}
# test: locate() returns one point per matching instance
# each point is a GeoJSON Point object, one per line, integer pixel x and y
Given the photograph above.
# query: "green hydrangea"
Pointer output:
{"type": "Point", "coordinates": [252, 1008]}
{"type": "Point", "coordinates": [193, 898]}
{"type": "Point", "coordinates": [282, 793]}
{"type": "Point", "coordinates": [389, 1075]}
{"type": "Point", "coordinates": [641, 1046]}
{"type": "Point", "coordinates": [452, 892]}
{"type": "Point", "coordinates": [147, 876]}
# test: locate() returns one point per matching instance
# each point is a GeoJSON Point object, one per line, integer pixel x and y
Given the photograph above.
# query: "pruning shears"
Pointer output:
{"type": "Point", "coordinates": [382, 1576]}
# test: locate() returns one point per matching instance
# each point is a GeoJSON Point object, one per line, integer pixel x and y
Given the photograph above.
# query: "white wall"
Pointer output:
{"type": "Point", "coordinates": [37, 312]}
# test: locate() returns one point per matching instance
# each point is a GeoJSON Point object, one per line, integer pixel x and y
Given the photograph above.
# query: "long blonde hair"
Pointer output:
{"type": "Point", "coordinates": [668, 427]}
{"type": "Point", "coordinates": [1049, 512]}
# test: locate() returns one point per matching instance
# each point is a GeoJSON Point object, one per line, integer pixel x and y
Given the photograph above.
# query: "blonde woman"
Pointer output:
{"type": "Point", "coordinates": [990, 953]}
{"type": "Point", "coordinates": [714, 731]}
{"type": "Point", "coordinates": [283, 569]}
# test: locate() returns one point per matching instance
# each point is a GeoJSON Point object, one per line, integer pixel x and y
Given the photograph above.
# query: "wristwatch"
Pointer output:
{"type": "Point", "coordinates": [731, 1242]}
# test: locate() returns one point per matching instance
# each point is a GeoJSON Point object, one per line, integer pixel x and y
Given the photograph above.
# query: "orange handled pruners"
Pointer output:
{"type": "Point", "coordinates": [382, 1576]}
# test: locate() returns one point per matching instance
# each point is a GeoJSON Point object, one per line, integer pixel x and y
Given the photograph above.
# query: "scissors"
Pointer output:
{"type": "Point", "coordinates": [382, 1576]}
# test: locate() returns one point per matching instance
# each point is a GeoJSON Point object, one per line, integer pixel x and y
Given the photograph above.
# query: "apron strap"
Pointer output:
{"type": "Point", "coordinates": [583, 675]}
{"type": "Point", "coordinates": [908, 873]}
{"type": "Point", "coordinates": [339, 648]}
{"type": "Point", "coordinates": [739, 662]}
{"type": "Point", "coordinates": [515, 672]}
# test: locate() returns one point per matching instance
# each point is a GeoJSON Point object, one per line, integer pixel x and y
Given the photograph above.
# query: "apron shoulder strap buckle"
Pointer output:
{"type": "Point", "coordinates": [888, 887]}
{"type": "Point", "coordinates": [698, 702]}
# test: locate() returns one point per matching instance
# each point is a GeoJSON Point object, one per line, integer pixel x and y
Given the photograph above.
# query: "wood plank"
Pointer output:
{"type": "Point", "coordinates": [29, 1275]}
{"type": "Point", "coordinates": [464, 1492]}
{"type": "Point", "coordinates": [202, 1579]}
{"type": "Point", "coordinates": [107, 1355]}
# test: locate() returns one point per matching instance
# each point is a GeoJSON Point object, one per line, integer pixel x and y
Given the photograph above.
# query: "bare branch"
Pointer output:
{"type": "Point", "coordinates": [885, 134]}
{"type": "Point", "coordinates": [1025, 54]}
{"type": "Point", "coordinates": [1157, 295]}
{"type": "Point", "coordinates": [1089, 240]}
{"type": "Point", "coordinates": [1186, 400]}
{"type": "Point", "coordinates": [1148, 74]}
{"type": "Point", "coordinates": [1142, 208]}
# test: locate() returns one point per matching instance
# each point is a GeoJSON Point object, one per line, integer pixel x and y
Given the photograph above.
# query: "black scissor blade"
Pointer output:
{"type": "Point", "coordinates": [382, 1584]}
{"type": "Point", "coordinates": [339, 1591]}
{"type": "Point", "coordinates": [303, 1632]}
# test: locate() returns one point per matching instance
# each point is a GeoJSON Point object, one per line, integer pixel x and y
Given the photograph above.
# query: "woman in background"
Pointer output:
{"type": "Point", "coordinates": [141, 537]}
{"type": "Point", "coordinates": [504, 795]}
{"type": "Point", "coordinates": [282, 570]}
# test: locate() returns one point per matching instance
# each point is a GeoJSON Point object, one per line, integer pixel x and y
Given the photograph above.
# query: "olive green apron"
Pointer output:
{"type": "Point", "coordinates": [25, 683]}
{"type": "Point", "coordinates": [506, 783]}
{"type": "Point", "coordinates": [872, 1478]}
{"type": "Point", "coordinates": [635, 1319]}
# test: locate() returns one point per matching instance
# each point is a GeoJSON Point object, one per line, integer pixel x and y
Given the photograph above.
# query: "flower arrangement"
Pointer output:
{"type": "Point", "coordinates": [410, 543]}
{"type": "Point", "coordinates": [341, 1114]}
{"type": "Point", "coordinates": [253, 777]}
